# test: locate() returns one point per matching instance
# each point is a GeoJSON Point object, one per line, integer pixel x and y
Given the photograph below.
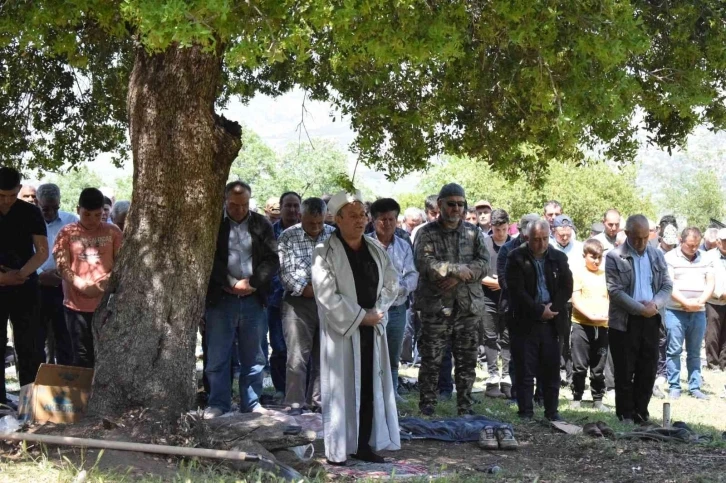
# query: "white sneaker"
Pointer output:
{"type": "Point", "coordinates": [493, 380]}
{"type": "Point", "coordinates": [260, 410]}
{"type": "Point", "coordinates": [211, 413]}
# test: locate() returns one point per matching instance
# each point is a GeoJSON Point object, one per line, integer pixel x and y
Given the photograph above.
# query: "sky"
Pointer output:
{"type": "Point", "coordinates": [277, 122]}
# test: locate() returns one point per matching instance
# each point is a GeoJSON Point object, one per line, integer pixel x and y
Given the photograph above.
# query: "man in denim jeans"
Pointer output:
{"type": "Point", "coordinates": [693, 283]}
{"type": "Point", "coordinates": [244, 263]}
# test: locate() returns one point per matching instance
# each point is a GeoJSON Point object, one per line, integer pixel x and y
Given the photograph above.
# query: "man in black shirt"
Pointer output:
{"type": "Point", "coordinates": [23, 249]}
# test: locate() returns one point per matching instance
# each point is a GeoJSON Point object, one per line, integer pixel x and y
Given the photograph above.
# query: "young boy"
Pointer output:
{"type": "Point", "coordinates": [85, 252]}
{"type": "Point", "coordinates": [590, 327]}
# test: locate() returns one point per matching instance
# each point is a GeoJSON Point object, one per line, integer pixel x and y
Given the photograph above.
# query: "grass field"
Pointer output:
{"type": "Point", "coordinates": [544, 454]}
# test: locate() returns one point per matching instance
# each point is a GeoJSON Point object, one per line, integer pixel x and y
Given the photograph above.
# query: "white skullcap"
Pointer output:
{"type": "Point", "coordinates": [342, 198]}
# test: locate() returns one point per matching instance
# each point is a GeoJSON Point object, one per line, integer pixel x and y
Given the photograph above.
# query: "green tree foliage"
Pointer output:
{"type": "Point", "coordinates": [698, 197]}
{"type": "Point", "coordinates": [72, 183]}
{"type": "Point", "coordinates": [310, 168]}
{"type": "Point", "coordinates": [512, 83]}
{"type": "Point", "coordinates": [585, 191]}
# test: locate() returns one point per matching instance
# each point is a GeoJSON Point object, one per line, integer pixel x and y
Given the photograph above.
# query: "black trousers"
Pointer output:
{"type": "Point", "coordinates": [53, 332]}
{"type": "Point", "coordinates": [589, 351]}
{"type": "Point", "coordinates": [80, 326]}
{"type": "Point", "coordinates": [21, 304]}
{"type": "Point", "coordinates": [635, 357]}
{"type": "Point", "coordinates": [536, 355]}
{"type": "Point", "coordinates": [716, 336]}
{"type": "Point", "coordinates": [365, 424]}
{"type": "Point", "coordinates": [496, 343]}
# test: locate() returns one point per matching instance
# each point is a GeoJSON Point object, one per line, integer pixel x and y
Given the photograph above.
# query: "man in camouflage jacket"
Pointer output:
{"type": "Point", "coordinates": [451, 259]}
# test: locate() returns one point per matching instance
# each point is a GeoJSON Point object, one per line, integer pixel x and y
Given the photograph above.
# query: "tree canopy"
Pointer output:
{"type": "Point", "coordinates": [585, 191]}
{"type": "Point", "coordinates": [512, 83]}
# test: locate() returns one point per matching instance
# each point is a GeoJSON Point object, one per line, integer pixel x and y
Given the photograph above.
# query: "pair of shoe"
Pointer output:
{"type": "Point", "coordinates": [598, 430]}
{"type": "Point", "coordinates": [493, 391]}
{"type": "Point", "coordinates": [499, 438]}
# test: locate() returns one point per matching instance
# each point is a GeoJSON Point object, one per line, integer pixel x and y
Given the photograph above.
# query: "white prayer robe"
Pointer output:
{"type": "Point", "coordinates": [340, 359]}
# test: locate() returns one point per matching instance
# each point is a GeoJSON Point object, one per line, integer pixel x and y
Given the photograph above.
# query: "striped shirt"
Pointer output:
{"type": "Point", "coordinates": [689, 277]}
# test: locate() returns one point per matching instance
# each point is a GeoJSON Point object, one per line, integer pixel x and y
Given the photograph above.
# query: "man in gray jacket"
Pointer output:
{"type": "Point", "coordinates": [639, 287]}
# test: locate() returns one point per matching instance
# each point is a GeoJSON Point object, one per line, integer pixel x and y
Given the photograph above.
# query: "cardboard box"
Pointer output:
{"type": "Point", "coordinates": [59, 394]}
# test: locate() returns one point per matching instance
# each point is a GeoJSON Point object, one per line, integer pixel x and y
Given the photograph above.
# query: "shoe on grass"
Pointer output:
{"type": "Point", "coordinates": [506, 440]}
{"type": "Point", "coordinates": [575, 404]}
{"type": "Point", "coordinates": [674, 394]}
{"type": "Point", "coordinates": [599, 406]}
{"type": "Point", "coordinates": [212, 412]}
{"type": "Point", "coordinates": [591, 429]}
{"type": "Point", "coordinates": [606, 430]}
{"type": "Point", "coordinates": [494, 392]}
{"type": "Point", "coordinates": [696, 393]}
{"type": "Point", "coordinates": [427, 410]}
{"type": "Point", "coordinates": [487, 438]}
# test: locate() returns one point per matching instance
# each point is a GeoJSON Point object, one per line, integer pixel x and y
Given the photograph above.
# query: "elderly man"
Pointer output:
{"type": "Point", "coordinates": [710, 239]}
{"type": "Point", "coordinates": [639, 287]}
{"type": "Point", "coordinates": [300, 322]}
{"type": "Point", "coordinates": [384, 212]}
{"type": "Point", "coordinates": [451, 259]}
{"type": "Point", "coordinates": [685, 317]}
{"type": "Point", "coordinates": [272, 210]}
{"type": "Point", "coordinates": [412, 218]}
{"type": "Point", "coordinates": [244, 263]}
{"type": "Point", "coordinates": [494, 335]}
{"type": "Point", "coordinates": [716, 307]}
{"type": "Point", "coordinates": [54, 334]}
{"type": "Point", "coordinates": [564, 241]}
{"type": "Point", "coordinates": [540, 284]}
{"type": "Point", "coordinates": [355, 283]}
{"type": "Point", "coordinates": [611, 221]}
{"type": "Point", "coordinates": [119, 212]}
{"type": "Point", "coordinates": [484, 213]}
{"type": "Point", "coordinates": [28, 193]}
{"type": "Point", "coordinates": [23, 249]}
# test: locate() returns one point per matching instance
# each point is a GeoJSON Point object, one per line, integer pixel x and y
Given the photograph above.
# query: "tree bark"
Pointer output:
{"type": "Point", "coordinates": [145, 327]}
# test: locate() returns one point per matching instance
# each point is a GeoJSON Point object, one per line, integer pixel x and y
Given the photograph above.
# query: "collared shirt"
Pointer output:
{"type": "Point", "coordinates": [689, 276]}
{"type": "Point", "coordinates": [573, 250]}
{"type": "Point", "coordinates": [64, 218]}
{"type": "Point", "coordinates": [276, 288]}
{"type": "Point", "coordinates": [401, 255]}
{"type": "Point", "coordinates": [239, 261]}
{"type": "Point", "coordinates": [643, 290]}
{"type": "Point", "coordinates": [607, 243]}
{"type": "Point", "coordinates": [543, 295]}
{"type": "Point", "coordinates": [296, 256]}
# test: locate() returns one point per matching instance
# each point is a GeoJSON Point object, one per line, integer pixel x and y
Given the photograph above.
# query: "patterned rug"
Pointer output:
{"type": "Point", "coordinates": [395, 470]}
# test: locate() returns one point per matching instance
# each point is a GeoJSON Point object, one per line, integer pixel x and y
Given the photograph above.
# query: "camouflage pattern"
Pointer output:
{"type": "Point", "coordinates": [451, 317]}
{"type": "Point", "coordinates": [436, 333]}
{"type": "Point", "coordinates": [438, 253]}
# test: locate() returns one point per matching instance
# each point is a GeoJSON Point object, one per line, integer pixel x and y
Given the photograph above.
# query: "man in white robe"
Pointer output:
{"type": "Point", "coordinates": [355, 283]}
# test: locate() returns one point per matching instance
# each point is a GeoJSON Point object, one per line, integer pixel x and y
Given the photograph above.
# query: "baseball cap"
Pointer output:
{"type": "Point", "coordinates": [563, 220]}
{"type": "Point", "coordinates": [482, 203]}
{"type": "Point", "coordinates": [598, 227]}
{"type": "Point", "coordinates": [670, 235]}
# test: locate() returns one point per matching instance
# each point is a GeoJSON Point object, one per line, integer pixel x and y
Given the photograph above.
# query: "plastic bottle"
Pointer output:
{"type": "Point", "coordinates": [9, 424]}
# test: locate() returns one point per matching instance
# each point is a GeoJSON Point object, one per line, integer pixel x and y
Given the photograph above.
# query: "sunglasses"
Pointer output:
{"type": "Point", "coordinates": [453, 204]}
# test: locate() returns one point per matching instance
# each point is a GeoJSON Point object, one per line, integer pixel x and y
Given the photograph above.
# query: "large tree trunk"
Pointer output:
{"type": "Point", "coordinates": [145, 328]}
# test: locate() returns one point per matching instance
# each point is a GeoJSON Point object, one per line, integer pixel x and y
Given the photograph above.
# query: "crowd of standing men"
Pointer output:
{"type": "Point", "coordinates": [338, 284]}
